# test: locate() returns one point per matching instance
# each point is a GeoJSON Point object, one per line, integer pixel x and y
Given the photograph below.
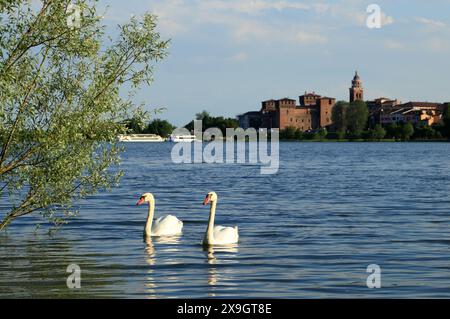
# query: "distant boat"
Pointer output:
{"type": "Point", "coordinates": [182, 138]}
{"type": "Point", "coordinates": [141, 138]}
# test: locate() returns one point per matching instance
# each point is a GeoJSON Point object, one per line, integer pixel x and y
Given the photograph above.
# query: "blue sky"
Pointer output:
{"type": "Point", "coordinates": [226, 56]}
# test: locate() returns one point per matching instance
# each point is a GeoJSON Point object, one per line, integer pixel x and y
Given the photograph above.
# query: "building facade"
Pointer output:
{"type": "Point", "coordinates": [416, 113]}
{"type": "Point", "coordinates": [315, 111]}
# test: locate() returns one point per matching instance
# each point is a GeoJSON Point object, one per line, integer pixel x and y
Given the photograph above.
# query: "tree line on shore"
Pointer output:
{"type": "Point", "coordinates": [159, 127]}
{"type": "Point", "coordinates": [164, 128]}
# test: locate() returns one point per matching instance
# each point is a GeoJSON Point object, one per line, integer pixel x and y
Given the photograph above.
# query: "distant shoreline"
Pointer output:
{"type": "Point", "coordinates": [367, 141]}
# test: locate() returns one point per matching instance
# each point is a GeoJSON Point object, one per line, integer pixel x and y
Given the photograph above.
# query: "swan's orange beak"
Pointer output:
{"type": "Point", "coordinates": [140, 201]}
{"type": "Point", "coordinates": [206, 200]}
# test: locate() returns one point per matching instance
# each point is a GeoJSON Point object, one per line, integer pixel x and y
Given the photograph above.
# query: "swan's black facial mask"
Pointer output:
{"type": "Point", "coordinates": [207, 199]}
{"type": "Point", "coordinates": [141, 200]}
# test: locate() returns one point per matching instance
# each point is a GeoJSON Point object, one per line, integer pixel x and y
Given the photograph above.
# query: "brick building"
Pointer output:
{"type": "Point", "coordinates": [313, 112]}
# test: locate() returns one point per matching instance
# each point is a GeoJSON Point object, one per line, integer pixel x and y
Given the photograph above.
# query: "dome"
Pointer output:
{"type": "Point", "coordinates": [356, 82]}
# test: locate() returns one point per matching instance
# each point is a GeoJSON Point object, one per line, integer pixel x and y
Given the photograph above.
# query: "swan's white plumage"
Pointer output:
{"type": "Point", "coordinates": [218, 235]}
{"type": "Point", "coordinates": [163, 226]}
{"type": "Point", "coordinates": [167, 226]}
{"type": "Point", "coordinates": [225, 235]}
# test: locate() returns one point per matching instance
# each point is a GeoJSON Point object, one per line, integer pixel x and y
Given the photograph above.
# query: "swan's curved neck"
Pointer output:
{"type": "Point", "coordinates": [209, 236]}
{"type": "Point", "coordinates": [148, 224]}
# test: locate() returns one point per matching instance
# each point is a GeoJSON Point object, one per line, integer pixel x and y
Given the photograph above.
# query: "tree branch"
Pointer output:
{"type": "Point", "coordinates": [19, 112]}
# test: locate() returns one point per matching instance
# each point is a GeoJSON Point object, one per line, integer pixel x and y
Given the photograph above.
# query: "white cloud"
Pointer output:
{"type": "Point", "coordinates": [355, 12]}
{"type": "Point", "coordinates": [237, 20]}
{"type": "Point", "coordinates": [171, 16]}
{"type": "Point", "coordinates": [430, 22]}
{"type": "Point", "coordinates": [254, 6]}
{"type": "Point", "coordinates": [245, 31]}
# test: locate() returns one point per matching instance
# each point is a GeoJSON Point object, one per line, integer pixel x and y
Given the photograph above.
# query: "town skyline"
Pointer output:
{"type": "Point", "coordinates": [315, 111]}
{"type": "Point", "coordinates": [226, 56]}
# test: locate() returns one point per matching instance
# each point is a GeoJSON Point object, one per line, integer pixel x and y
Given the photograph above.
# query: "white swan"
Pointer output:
{"type": "Point", "coordinates": [218, 235]}
{"type": "Point", "coordinates": [164, 226]}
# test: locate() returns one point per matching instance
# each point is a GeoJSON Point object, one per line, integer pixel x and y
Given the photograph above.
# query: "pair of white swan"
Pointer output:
{"type": "Point", "coordinates": [170, 225]}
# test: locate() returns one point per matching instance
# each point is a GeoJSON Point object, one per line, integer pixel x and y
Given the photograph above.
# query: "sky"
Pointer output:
{"type": "Point", "coordinates": [226, 56]}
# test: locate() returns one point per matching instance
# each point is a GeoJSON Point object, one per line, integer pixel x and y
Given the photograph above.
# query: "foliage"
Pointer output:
{"type": "Point", "coordinates": [60, 107]}
{"type": "Point", "coordinates": [321, 134]}
{"type": "Point", "coordinates": [202, 115]}
{"type": "Point", "coordinates": [339, 116]}
{"type": "Point", "coordinates": [291, 133]}
{"type": "Point", "coordinates": [407, 130]}
{"type": "Point", "coordinates": [400, 131]}
{"type": "Point", "coordinates": [209, 121]}
{"type": "Point", "coordinates": [160, 127]}
{"type": "Point", "coordinates": [393, 131]}
{"type": "Point", "coordinates": [446, 119]}
{"type": "Point", "coordinates": [357, 116]}
{"type": "Point", "coordinates": [378, 132]}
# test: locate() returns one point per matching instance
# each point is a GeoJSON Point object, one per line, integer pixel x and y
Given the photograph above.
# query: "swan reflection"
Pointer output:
{"type": "Point", "coordinates": [150, 258]}
{"type": "Point", "coordinates": [170, 240]}
{"type": "Point", "coordinates": [213, 260]}
{"type": "Point", "coordinates": [166, 247]}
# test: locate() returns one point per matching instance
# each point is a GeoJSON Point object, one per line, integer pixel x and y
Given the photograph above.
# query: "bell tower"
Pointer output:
{"type": "Point", "coordinates": [356, 91]}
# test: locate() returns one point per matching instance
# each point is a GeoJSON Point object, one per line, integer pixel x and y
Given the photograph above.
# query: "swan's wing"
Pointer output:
{"type": "Point", "coordinates": [225, 235]}
{"type": "Point", "coordinates": [167, 225]}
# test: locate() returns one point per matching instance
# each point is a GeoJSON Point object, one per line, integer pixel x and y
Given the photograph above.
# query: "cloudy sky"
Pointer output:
{"type": "Point", "coordinates": [226, 56]}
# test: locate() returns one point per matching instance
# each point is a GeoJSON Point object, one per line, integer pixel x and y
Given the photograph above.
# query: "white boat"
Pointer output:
{"type": "Point", "coordinates": [182, 138]}
{"type": "Point", "coordinates": [140, 138]}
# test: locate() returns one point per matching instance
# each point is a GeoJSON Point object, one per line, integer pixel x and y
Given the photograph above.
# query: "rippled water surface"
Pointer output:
{"type": "Point", "coordinates": [309, 231]}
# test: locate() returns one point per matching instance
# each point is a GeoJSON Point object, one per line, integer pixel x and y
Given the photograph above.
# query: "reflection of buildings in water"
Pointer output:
{"type": "Point", "coordinates": [169, 246]}
{"type": "Point", "coordinates": [213, 274]}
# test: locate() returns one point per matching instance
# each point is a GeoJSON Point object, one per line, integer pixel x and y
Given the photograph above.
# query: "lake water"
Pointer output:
{"type": "Point", "coordinates": [309, 231]}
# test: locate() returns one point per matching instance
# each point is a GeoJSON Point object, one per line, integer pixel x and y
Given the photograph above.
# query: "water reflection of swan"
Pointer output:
{"type": "Point", "coordinates": [150, 285]}
{"type": "Point", "coordinates": [212, 271]}
{"type": "Point", "coordinates": [169, 240]}
{"type": "Point", "coordinates": [213, 274]}
{"type": "Point", "coordinates": [168, 245]}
